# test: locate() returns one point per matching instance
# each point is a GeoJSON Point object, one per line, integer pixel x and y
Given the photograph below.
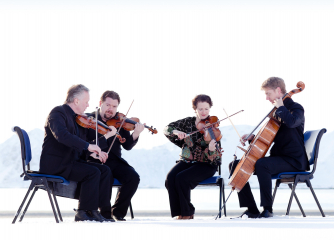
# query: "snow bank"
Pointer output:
{"type": "Point", "coordinates": [154, 164]}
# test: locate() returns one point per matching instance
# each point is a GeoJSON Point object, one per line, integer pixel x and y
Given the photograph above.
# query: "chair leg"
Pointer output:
{"type": "Point", "coordinates": [220, 199]}
{"type": "Point", "coordinates": [291, 196]}
{"type": "Point", "coordinates": [28, 204]}
{"type": "Point", "coordinates": [57, 206]}
{"type": "Point", "coordinates": [131, 211]}
{"type": "Point", "coordinates": [45, 183]}
{"type": "Point", "coordinates": [297, 200]}
{"type": "Point", "coordinates": [223, 190]}
{"type": "Point", "coordinates": [22, 204]}
{"type": "Point", "coordinates": [275, 190]}
{"type": "Point", "coordinates": [308, 182]}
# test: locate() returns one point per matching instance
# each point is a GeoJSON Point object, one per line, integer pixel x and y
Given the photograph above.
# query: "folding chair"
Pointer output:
{"type": "Point", "coordinates": [118, 185]}
{"type": "Point", "coordinates": [216, 181]}
{"type": "Point", "coordinates": [38, 180]}
{"type": "Point", "coordinates": [312, 143]}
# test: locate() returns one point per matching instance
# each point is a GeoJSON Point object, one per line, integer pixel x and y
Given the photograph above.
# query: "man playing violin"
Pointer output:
{"type": "Point", "coordinates": [286, 155]}
{"type": "Point", "coordinates": [66, 148]}
{"type": "Point", "coordinates": [120, 169]}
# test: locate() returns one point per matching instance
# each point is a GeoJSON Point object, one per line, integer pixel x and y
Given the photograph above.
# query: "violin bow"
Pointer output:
{"type": "Point", "coordinates": [119, 128]}
{"type": "Point", "coordinates": [243, 144]}
{"type": "Point", "coordinates": [96, 129]}
{"type": "Point", "coordinates": [96, 125]}
{"type": "Point", "coordinates": [234, 127]}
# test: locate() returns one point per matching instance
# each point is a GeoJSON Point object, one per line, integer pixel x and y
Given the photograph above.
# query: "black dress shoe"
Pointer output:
{"type": "Point", "coordinates": [250, 215]}
{"type": "Point", "coordinates": [82, 215]}
{"type": "Point", "coordinates": [118, 218]}
{"type": "Point", "coordinates": [106, 212]}
{"type": "Point", "coordinates": [108, 219]}
{"type": "Point", "coordinates": [266, 214]}
{"type": "Point", "coordinates": [96, 216]}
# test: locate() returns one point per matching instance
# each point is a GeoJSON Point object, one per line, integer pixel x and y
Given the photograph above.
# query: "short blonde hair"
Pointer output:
{"type": "Point", "coordinates": [273, 83]}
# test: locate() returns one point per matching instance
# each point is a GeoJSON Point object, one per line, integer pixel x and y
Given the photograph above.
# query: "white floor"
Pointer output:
{"type": "Point", "coordinates": [277, 227]}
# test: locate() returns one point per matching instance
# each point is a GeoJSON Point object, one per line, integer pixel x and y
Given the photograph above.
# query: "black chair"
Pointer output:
{"type": "Point", "coordinates": [38, 180]}
{"type": "Point", "coordinates": [216, 181]}
{"type": "Point", "coordinates": [118, 185]}
{"type": "Point", "coordinates": [312, 143]}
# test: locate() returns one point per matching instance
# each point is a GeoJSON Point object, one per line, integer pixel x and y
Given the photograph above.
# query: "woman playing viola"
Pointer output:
{"type": "Point", "coordinates": [199, 159]}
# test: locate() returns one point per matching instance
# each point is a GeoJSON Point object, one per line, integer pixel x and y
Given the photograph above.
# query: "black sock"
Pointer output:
{"type": "Point", "coordinates": [253, 210]}
{"type": "Point", "coordinates": [269, 208]}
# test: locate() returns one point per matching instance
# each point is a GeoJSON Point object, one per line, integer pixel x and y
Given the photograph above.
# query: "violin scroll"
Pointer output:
{"type": "Point", "coordinates": [153, 130]}
{"type": "Point", "coordinates": [301, 85]}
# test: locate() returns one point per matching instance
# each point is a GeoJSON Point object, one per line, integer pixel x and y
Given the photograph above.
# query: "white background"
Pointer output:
{"type": "Point", "coordinates": [162, 54]}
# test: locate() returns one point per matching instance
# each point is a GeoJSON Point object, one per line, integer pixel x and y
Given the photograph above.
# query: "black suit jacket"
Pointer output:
{"type": "Point", "coordinates": [289, 140]}
{"type": "Point", "coordinates": [64, 142]}
{"type": "Point", "coordinates": [116, 150]}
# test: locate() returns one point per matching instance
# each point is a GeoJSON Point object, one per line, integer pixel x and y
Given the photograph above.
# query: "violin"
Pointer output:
{"type": "Point", "coordinates": [209, 128]}
{"type": "Point", "coordinates": [90, 122]}
{"type": "Point", "coordinates": [129, 123]}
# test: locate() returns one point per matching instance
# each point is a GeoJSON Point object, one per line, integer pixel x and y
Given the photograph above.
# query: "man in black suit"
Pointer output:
{"type": "Point", "coordinates": [120, 169]}
{"type": "Point", "coordinates": [286, 155]}
{"type": "Point", "coordinates": [66, 148]}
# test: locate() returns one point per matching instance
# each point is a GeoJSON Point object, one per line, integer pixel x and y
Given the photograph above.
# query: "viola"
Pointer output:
{"type": "Point", "coordinates": [129, 123]}
{"type": "Point", "coordinates": [209, 128]}
{"type": "Point", "coordinates": [259, 146]}
{"type": "Point", "coordinates": [90, 122]}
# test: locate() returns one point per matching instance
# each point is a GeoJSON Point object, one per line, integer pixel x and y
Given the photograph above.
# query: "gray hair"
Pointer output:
{"type": "Point", "coordinates": [74, 91]}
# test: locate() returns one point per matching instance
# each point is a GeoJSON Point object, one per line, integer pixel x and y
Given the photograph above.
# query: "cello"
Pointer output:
{"type": "Point", "coordinates": [259, 146]}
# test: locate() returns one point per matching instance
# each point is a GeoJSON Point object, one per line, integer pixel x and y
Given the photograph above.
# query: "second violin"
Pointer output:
{"type": "Point", "coordinates": [129, 123]}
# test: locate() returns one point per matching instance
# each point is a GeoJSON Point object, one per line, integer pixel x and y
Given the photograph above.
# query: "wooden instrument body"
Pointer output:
{"type": "Point", "coordinates": [256, 150]}
{"type": "Point", "coordinates": [211, 132]}
{"type": "Point", "coordinates": [90, 122]}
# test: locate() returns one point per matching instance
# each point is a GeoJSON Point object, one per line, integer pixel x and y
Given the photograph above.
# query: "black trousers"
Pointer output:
{"type": "Point", "coordinates": [94, 181]}
{"type": "Point", "coordinates": [264, 168]}
{"type": "Point", "coordinates": [180, 180]}
{"type": "Point", "coordinates": [129, 179]}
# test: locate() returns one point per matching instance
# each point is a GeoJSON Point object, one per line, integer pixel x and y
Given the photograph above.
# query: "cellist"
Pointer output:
{"type": "Point", "coordinates": [286, 155]}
